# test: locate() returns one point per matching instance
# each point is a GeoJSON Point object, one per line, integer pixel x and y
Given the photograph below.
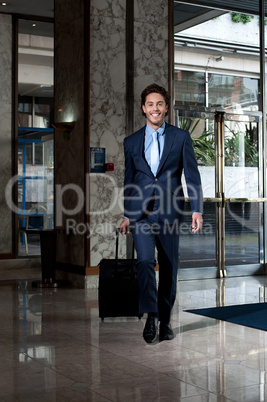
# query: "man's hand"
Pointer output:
{"type": "Point", "coordinates": [197, 222]}
{"type": "Point", "coordinates": [125, 226]}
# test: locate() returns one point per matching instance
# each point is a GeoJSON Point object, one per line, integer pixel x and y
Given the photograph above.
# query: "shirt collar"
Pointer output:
{"type": "Point", "coordinates": [150, 130]}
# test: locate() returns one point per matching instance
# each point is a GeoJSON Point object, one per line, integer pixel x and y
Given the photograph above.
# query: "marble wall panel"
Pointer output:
{"type": "Point", "coordinates": [109, 8]}
{"type": "Point", "coordinates": [106, 190]}
{"type": "Point", "coordinates": [108, 104]}
{"type": "Point", "coordinates": [151, 63]}
{"type": "Point", "coordinates": [155, 14]}
{"type": "Point", "coordinates": [107, 59]}
{"type": "Point", "coordinates": [5, 130]}
{"type": "Point", "coordinates": [107, 123]}
{"type": "Point", "coordinates": [6, 58]}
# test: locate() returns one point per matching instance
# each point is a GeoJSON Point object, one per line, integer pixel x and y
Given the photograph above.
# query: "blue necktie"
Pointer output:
{"type": "Point", "coordinates": [154, 153]}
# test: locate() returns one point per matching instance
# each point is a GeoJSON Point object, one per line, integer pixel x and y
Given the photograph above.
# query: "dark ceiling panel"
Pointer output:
{"type": "Point", "coordinates": [40, 8]}
{"type": "Point", "coordinates": [40, 28]}
{"type": "Point", "coordinates": [184, 12]}
{"type": "Point", "coordinates": [187, 15]}
{"type": "Point", "coordinates": [242, 6]}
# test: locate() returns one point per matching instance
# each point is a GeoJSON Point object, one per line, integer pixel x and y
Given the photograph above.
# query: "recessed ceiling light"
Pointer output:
{"type": "Point", "coordinates": [34, 25]}
{"type": "Point", "coordinates": [3, 4]}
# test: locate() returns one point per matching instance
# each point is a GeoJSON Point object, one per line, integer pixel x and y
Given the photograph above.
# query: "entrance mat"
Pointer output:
{"type": "Point", "coordinates": [250, 315]}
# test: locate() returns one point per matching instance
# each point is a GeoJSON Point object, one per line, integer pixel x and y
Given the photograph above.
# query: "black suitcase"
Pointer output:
{"type": "Point", "coordinates": [118, 291]}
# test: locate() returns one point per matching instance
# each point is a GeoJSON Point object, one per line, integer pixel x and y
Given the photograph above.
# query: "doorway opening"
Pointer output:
{"type": "Point", "coordinates": [216, 93]}
{"type": "Point", "coordinates": [35, 133]}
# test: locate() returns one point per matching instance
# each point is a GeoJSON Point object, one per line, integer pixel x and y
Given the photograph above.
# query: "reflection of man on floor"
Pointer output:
{"type": "Point", "coordinates": [155, 157]}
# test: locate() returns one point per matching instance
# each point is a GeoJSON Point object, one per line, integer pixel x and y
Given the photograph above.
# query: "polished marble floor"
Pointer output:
{"type": "Point", "coordinates": [54, 347]}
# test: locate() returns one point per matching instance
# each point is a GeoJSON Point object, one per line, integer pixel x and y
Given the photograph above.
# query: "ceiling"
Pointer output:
{"type": "Point", "coordinates": [41, 28]}
{"type": "Point", "coordinates": [45, 8]}
{"type": "Point", "coordinates": [242, 6]}
{"type": "Point", "coordinates": [183, 11]}
{"type": "Point", "coordinates": [187, 15]}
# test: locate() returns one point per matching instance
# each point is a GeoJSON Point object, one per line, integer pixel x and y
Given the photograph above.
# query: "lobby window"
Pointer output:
{"type": "Point", "coordinates": [231, 92]}
{"type": "Point", "coordinates": [35, 132]}
{"type": "Point", "coordinates": [234, 92]}
{"type": "Point", "coordinates": [189, 87]}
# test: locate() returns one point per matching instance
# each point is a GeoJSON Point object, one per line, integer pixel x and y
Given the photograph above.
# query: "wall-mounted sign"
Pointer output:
{"type": "Point", "coordinates": [97, 160]}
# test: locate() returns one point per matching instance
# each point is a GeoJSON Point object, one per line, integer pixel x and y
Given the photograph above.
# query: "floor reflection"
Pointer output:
{"type": "Point", "coordinates": [55, 347]}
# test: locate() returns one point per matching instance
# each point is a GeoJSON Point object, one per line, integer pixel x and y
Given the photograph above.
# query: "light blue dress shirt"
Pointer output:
{"type": "Point", "coordinates": [149, 139]}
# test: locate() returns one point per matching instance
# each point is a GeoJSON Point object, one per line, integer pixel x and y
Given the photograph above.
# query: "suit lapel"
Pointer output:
{"type": "Point", "coordinates": [169, 138]}
{"type": "Point", "coordinates": [140, 142]}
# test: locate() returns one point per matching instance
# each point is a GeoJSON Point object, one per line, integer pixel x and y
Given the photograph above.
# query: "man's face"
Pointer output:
{"type": "Point", "coordinates": [155, 109]}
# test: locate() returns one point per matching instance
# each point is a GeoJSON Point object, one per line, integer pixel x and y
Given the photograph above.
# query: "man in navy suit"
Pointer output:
{"type": "Point", "coordinates": [155, 157]}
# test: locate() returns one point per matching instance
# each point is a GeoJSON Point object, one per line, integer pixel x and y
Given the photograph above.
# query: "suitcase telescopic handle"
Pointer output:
{"type": "Point", "coordinates": [118, 231]}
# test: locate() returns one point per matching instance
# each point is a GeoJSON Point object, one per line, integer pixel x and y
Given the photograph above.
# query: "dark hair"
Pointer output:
{"type": "Point", "coordinates": [154, 88]}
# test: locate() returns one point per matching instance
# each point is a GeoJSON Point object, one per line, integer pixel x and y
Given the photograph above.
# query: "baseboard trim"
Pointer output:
{"type": "Point", "coordinates": [74, 269]}
{"type": "Point", "coordinates": [7, 256]}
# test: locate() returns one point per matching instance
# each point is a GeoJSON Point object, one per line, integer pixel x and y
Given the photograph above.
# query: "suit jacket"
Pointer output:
{"type": "Point", "coordinates": [140, 185]}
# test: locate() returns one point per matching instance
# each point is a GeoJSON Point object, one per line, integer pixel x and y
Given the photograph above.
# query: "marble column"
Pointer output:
{"type": "Point", "coordinates": [5, 131]}
{"type": "Point", "coordinates": [151, 49]}
{"type": "Point", "coordinates": [107, 125]}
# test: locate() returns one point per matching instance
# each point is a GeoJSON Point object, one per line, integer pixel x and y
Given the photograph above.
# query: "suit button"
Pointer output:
{"type": "Point", "coordinates": [156, 179]}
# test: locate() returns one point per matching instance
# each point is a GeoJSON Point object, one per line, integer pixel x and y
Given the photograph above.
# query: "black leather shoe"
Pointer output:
{"type": "Point", "coordinates": [150, 332]}
{"type": "Point", "coordinates": [165, 332]}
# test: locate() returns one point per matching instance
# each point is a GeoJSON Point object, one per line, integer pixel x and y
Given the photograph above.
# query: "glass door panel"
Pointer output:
{"type": "Point", "coordinates": [243, 191]}
{"type": "Point", "coordinates": [242, 233]}
{"type": "Point", "coordinates": [229, 158]}
{"type": "Point", "coordinates": [199, 250]}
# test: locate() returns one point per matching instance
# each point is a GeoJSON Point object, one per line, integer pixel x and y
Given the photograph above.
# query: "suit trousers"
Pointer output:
{"type": "Point", "coordinates": [150, 234]}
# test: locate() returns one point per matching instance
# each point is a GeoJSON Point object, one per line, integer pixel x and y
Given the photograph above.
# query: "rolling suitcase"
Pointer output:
{"type": "Point", "coordinates": [118, 292]}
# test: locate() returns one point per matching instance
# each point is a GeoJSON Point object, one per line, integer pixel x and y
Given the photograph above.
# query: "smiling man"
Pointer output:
{"type": "Point", "coordinates": [155, 157]}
